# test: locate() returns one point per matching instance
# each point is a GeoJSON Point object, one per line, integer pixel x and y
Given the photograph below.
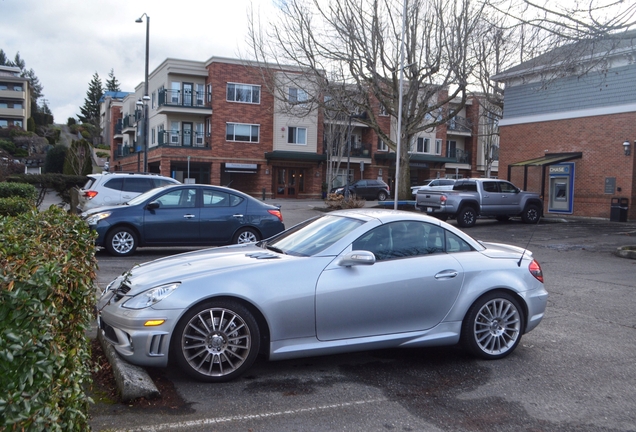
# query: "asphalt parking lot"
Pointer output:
{"type": "Point", "coordinates": [575, 372]}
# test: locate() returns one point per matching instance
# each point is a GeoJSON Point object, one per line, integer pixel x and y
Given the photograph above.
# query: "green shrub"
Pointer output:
{"type": "Point", "coordinates": [60, 183]}
{"type": "Point", "coordinates": [47, 269]}
{"type": "Point", "coordinates": [22, 190]}
{"type": "Point", "coordinates": [14, 206]}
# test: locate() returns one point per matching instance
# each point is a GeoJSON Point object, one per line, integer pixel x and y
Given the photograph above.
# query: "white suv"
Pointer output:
{"type": "Point", "coordinates": [117, 188]}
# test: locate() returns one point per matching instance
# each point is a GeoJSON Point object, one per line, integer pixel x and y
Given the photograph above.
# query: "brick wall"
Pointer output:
{"type": "Point", "coordinates": [600, 140]}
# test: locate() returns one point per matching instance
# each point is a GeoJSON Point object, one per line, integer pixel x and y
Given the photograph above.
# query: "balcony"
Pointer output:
{"type": "Point", "coordinates": [175, 138]}
{"type": "Point", "coordinates": [460, 125]}
{"type": "Point", "coordinates": [174, 101]}
{"type": "Point", "coordinates": [461, 156]}
{"type": "Point", "coordinates": [13, 94]}
{"type": "Point", "coordinates": [123, 151]}
{"type": "Point", "coordinates": [129, 124]}
{"type": "Point", "coordinates": [12, 112]}
{"type": "Point", "coordinates": [358, 150]}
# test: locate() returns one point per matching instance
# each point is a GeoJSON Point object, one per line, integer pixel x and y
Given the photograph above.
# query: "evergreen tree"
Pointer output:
{"type": "Point", "coordinates": [55, 157]}
{"type": "Point", "coordinates": [90, 110]}
{"type": "Point", "coordinates": [112, 84]}
{"type": "Point", "coordinates": [79, 158]}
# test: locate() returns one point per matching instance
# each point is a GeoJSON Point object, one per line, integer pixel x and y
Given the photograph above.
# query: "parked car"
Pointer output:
{"type": "Point", "coordinates": [434, 184]}
{"type": "Point", "coordinates": [184, 215]}
{"type": "Point", "coordinates": [367, 189]}
{"type": "Point", "coordinates": [346, 281]}
{"type": "Point", "coordinates": [117, 188]}
{"type": "Point", "coordinates": [471, 198]}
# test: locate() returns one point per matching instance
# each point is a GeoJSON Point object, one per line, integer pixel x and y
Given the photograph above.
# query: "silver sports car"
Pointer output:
{"type": "Point", "coordinates": [348, 281]}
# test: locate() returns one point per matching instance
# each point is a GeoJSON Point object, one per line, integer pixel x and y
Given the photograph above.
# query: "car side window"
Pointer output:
{"type": "Point", "coordinates": [402, 240]}
{"type": "Point", "coordinates": [507, 187]}
{"type": "Point", "coordinates": [491, 187]}
{"type": "Point", "coordinates": [137, 185]}
{"type": "Point", "coordinates": [178, 198]}
{"type": "Point", "coordinates": [216, 199]}
{"type": "Point", "coordinates": [456, 244]}
{"type": "Point", "coordinates": [115, 184]}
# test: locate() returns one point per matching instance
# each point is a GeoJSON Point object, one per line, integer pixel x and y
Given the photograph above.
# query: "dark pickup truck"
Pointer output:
{"type": "Point", "coordinates": [471, 198]}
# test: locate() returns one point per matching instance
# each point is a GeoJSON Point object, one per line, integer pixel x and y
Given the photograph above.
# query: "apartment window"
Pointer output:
{"type": "Point", "coordinates": [175, 90]}
{"type": "Point", "coordinates": [423, 145]}
{"type": "Point", "coordinates": [297, 135]}
{"type": "Point", "coordinates": [198, 139]}
{"type": "Point", "coordinates": [438, 146]}
{"type": "Point", "coordinates": [243, 93]}
{"type": "Point", "coordinates": [153, 100]}
{"type": "Point", "coordinates": [4, 123]}
{"type": "Point", "coordinates": [382, 145]}
{"type": "Point", "coordinates": [383, 111]}
{"type": "Point", "coordinates": [152, 136]}
{"type": "Point", "coordinates": [297, 95]}
{"type": "Point", "coordinates": [200, 88]}
{"type": "Point", "coordinates": [174, 132]}
{"type": "Point", "coordinates": [242, 132]}
{"type": "Point", "coordinates": [209, 92]}
{"type": "Point", "coordinates": [208, 127]}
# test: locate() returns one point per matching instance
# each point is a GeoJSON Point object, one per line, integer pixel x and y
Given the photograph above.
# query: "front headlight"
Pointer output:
{"type": "Point", "coordinates": [151, 297]}
{"type": "Point", "coordinates": [93, 219]}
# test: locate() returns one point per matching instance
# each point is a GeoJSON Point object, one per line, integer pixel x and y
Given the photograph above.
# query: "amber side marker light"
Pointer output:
{"type": "Point", "coordinates": [153, 323]}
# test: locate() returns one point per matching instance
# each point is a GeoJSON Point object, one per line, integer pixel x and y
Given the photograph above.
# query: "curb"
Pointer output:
{"type": "Point", "coordinates": [133, 382]}
{"type": "Point", "coordinates": [626, 252]}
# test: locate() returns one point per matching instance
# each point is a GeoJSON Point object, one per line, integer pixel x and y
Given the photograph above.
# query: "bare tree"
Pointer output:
{"type": "Point", "coordinates": [350, 51]}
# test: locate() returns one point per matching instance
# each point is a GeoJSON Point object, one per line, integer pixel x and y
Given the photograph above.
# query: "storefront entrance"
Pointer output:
{"type": "Point", "coordinates": [289, 182]}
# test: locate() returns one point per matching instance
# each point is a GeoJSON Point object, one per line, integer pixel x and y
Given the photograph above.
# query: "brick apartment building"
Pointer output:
{"type": "Point", "coordinates": [217, 122]}
{"type": "Point", "coordinates": [570, 135]}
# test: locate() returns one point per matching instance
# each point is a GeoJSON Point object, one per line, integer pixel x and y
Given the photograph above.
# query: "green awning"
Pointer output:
{"type": "Point", "coordinates": [549, 159]}
{"type": "Point", "coordinates": [291, 155]}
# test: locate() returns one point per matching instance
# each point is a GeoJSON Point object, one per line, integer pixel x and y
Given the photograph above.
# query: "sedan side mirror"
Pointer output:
{"type": "Point", "coordinates": [357, 257]}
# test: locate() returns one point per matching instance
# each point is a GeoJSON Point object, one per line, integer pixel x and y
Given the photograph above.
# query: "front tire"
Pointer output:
{"type": "Point", "coordinates": [121, 241]}
{"type": "Point", "coordinates": [493, 326]}
{"type": "Point", "coordinates": [531, 214]}
{"type": "Point", "coordinates": [246, 235]}
{"type": "Point", "coordinates": [216, 341]}
{"type": "Point", "coordinates": [382, 196]}
{"type": "Point", "coordinates": [467, 217]}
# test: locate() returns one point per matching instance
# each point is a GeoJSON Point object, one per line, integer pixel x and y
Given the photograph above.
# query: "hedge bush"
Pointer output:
{"type": "Point", "coordinates": [14, 206]}
{"type": "Point", "coordinates": [22, 190]}
{"type": "Point", "coordinates": [47, 269]}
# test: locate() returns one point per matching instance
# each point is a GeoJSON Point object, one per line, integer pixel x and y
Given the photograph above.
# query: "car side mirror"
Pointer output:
{"type": "Point", "coordinates": [153, 205]}
{"type": "Point", "coordinates": [357, 257]}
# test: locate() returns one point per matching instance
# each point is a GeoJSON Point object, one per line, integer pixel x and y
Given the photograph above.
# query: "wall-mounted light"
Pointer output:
{"type": "Point", "coordinates": [626, 147]}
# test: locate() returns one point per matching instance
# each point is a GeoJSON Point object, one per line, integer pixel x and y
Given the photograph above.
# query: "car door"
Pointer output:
{"type": "Point", "coordinates": [175, 220]}
{"type": "Point", "coordinates": [222, 213]}
{"type": "Point", "coordinates": [411, 287]}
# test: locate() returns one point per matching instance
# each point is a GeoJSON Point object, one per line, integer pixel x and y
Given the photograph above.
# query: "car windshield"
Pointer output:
{"type": "Point", "coordinates": [312, 236]}
{"type": "Point", "coordinates": [144, 196]}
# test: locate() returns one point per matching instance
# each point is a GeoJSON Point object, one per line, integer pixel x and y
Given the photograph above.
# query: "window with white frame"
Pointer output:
{"type": "Point", "coordinates": [383, 110]}
{"type": "Point", "coordinates": [200, 89]}
{"type": "Point", "coordinates": [438, 146]}
{"type": "Point", "coordinates": [175, 91]}
{"type": "Point", "coordinates": [208, 127]}
{"type": "Point", "coordinates": [242, 132]}
{"type": "Point", "coordinates": [209, 96]}
{"type": "Point", "coordinates": [174, 132]}
{"type": "Point", "coordinates": [245, 93]}
{"type": "Point", "coordinates": [423, 145]}
{"type": "Point", "coordinates": [297, 135]}
{"type": "Point", "coordinates": [199, 135]}
{"type": "Point", "coordinates": [382, 145]}
{"type": "Point", "coordinates": [297, 95]}
{"type": "Point", "coordinates": [152, 136]}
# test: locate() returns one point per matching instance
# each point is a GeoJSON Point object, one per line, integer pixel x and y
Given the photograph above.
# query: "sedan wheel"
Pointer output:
{"type": "Point", "coordinates": [121, 242]}
{"type": "Point", "coordinates": [493, 326]}
{"type": "Point", "coordinates": [246, 235]}
{"type": "Point", "coordinates": [217, 341]}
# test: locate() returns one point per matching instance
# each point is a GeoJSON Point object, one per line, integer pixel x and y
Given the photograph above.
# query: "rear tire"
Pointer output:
{"type": "Point", "coordinates": [246, 235]}
{"type": "Point", "coordinates": [382, 196]}
{"type": "Point", "coordinates": [467, 217]}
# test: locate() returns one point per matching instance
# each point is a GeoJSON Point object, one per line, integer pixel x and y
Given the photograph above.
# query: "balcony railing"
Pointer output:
{"type": "Point", "coordinates": [460, 124]}
{"type": "Point", "coordinates": [124, 150]}
{"type": "Point", "coordinates": [459, 155]}
{"type": "Point", "coordinates": [175, 138]}
{"type": "Point", "coordinates": [129, 121]}
{"type": "Point", "coordinates": [177, 98]}
{"type": "Point", "coordinates": [359, 150]}
{"type": "Point", "coordinates": [119, 126]}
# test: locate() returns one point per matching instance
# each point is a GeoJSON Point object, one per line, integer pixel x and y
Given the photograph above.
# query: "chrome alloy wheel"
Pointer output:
{"type": "Point", "coordinates": [497, 326]}
{"type": "Point", "coordinates": [246, 236]}
{"type": "Point", "coordinates": [216, 342]}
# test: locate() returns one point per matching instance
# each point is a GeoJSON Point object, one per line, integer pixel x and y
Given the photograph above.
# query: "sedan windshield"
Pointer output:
{"type": "Point", "coordinates": [313, 236]}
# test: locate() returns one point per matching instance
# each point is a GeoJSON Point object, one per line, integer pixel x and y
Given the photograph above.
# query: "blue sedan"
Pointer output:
{"type": "Point", "coordinates": [184, 215]}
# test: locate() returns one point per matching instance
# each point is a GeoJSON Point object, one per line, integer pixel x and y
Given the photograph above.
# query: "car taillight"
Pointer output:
{"type": "Point", "coordinates": [535, 270]}
{"type": "Point", "coordinates": [442, 199]}
{"type": "Point", "coordinates": [276, 213]}
{"type": "Point", "coordinates": [90, 194]}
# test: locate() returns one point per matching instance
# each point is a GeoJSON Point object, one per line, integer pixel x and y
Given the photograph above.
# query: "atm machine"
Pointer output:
{"type": "Point", "coordinates": [561, 188]}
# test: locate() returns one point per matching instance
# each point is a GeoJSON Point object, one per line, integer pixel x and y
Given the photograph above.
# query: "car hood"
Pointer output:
{"type": "Point", "coordinates": [101, 209]}
{"type": "Point", "coordinates": [192, 265]}
{"type": "Point", "coordinates": [501, 250]}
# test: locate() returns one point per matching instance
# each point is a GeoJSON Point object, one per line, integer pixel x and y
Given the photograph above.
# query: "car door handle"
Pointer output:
{"type": "Point", "coordinates": [238, 216]}
{"type": "Point", "coordinates": [446, 274]}
{"type": "Point", "coordinates": [188, 216]}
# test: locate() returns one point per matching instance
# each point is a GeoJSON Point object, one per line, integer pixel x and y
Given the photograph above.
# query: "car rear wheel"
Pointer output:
{"type": "Point", "coordinates": [246, 235]}
{"type": "Point", "coordinates": [382, 196]}
{"type": "Point", "coordinates": [216, 341]}
{"type": "Point", "coordinates": [121, 241]}
{"type": "Point", "coordinates": [531, 214]}
{"type": "Point", "coordinates": [493, 326]}
{"type": "Point", "coordinates": [467, 217]}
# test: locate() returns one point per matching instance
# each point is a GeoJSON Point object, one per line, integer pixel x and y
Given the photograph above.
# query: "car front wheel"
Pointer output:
{"type": "Point", "coordinates": [493, 326]}
{"type": "Point", "coordinates": [246, 235]}
{"type": "Point", "coordinates": [216, 341]}
{"type": "Point", "coordinates": [531, 214]}
{"type": "Point", "coordinates": [121, 242]}
{"type": "Point", "coordinates": [382, 196]}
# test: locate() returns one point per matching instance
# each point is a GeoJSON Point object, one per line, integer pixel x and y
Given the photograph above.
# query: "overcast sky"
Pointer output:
{"type": "Point", "coordinates": [66, 41]}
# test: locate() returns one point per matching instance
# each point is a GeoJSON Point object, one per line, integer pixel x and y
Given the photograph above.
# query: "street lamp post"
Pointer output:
{"type": "Point", "coordinates": [146, 98]}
